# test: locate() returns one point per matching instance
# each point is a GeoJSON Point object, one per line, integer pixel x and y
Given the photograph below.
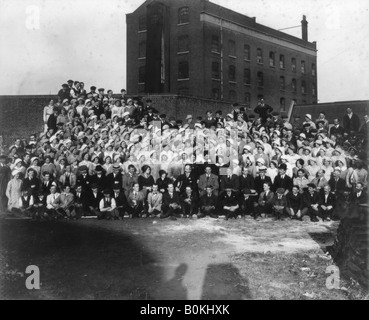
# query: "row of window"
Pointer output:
{"type": "Point", "coordinates": [183, 74]}
{"type": "Point", "coordinates": [183, 18]}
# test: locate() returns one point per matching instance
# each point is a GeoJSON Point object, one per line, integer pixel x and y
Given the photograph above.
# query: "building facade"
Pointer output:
{"type": "Point", "coordinates": [198, 48]}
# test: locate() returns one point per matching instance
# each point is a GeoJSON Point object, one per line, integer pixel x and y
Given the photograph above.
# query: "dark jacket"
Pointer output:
{"type": "Point", "coordinates": [259, 183]}
{"type": "Point", "coordinates": [285, 183]}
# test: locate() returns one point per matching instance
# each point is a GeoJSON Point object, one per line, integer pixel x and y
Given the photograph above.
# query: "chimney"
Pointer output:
{"type": "Point", "coordinates": [304, 28]}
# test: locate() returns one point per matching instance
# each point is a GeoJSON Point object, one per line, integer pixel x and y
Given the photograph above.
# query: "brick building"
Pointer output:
{"type": "Point", "coordinates": [198, 48]}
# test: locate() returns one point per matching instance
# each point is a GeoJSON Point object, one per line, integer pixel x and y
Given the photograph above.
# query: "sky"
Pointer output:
{"type": "Point", "coordinates": [44, 43]}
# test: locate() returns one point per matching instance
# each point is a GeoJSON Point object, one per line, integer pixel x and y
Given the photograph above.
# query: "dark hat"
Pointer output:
{"type": "Point", "coordinates": [70, 81]}
{"type": "Point", "coordinates": [280, 191]}
{"type": "Point", "coordinates": [305, 125]}
{"type": "Point", "coordinates": [94, 186]}
{"type": "Point", "coordinates": [40, 193]}
{"type": "Point", "coordinates": [83, 168]}
{"type": "Point", "coordinates": [229, 186]}
{"type": "Point", "coordinates": [60, 124]}
{"type": "Point", "coordinates": [107, 191]}
{"type": "Point", "coordinates": [64, 85]}
{"type": "Point", "coordinates": [320, 121]}
{"type": "Point", "coordinates": [311, 185]}
{"type": "Point", "coordinates": [275, 113]}
{"type": "Point", "coordinates": [248, 192]}
{"type": "Point", "coordinates": [235, 105]}
{"type": "Point", "coordinates": [163, 116]}
{"type": "Point", "coordinates": [98, 168]}
{"type": "Point", "coordinates": [101, 89]}
{"type": "Point", "coordinates": [116, 166]}
{"type": "Point", "coordinates": [93, 88]}
{"type": "Point", "coordinates": [219, 112]}
{"type": "Point", "coordinates": [283, 166]}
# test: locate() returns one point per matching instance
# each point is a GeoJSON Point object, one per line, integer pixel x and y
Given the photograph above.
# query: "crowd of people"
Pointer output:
{"type": "Point", "coordinates": [114, 157]}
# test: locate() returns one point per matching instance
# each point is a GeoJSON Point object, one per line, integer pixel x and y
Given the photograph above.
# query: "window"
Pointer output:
{"type": "Point", "coordinates": [142, 74]}
{"type": "Point", "coordinates": [259, 56]}
{"type": "Point", "coordinates": [183, 15]}
{"type": "Point", "coordinates": [215, 93]}
{"type": "Point", "coordinates": [215, 70]}
{"type": "Point", "coordinates": [183, 43]}
{"type": "Point", "coordinates": [260, 78]}
{"type": "Point", "coordinates": [313, 70]}
{"type": "Point", "coordinates": [246, 52]}
{"type": "Point", "coordinates": [232, 73]}
{"type": "Point", "coordinates": [302, 66]}
{"type": "Point", "coordinates": [142, 23]}
{"type": "Point", "coordinates": [183, 72]}
{"type": "Point", "coordinates": [293, 65]}
{"type": "Point", "coordinates": [142, 49]}
{"type": "Point", "coordinates": [183, 91]}
{"type": "Point", "coordinates": [313, 89]}
{"type": "Point", "coordinates": [282, 103]}
{"type": "Point", "coordinates": [247, 76]}
{"type": "Point", "coordinates": [248, 100]}
{"type": "Point", "coordinates": [294, 85]}
{"type": "Point", "coordinates": [281, 61]}
{"type": "Point", "coordinates": [232, 48]}
{"type": "Point", "coordinates": [215, 43]}
{"type": "Point", "coordinates": [271, 59]}
{"type": "Point", "coordinates": [282, 83]}
{"type": "Point", "coordinates": [232, 95]}
{"type": "Point", "coordinates": [303, 87]}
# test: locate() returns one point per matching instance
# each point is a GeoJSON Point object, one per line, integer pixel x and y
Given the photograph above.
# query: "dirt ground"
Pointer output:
{"type": "Point", "coordinates": [166, 259]}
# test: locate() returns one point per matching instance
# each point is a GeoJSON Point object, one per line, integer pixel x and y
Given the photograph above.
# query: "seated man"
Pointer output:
{"type": "Point", "coordinates": [310, 200]}
{"type": "Point", "coordinates": [229, 202]}
{"type": "Point", "coordinates": [50, 199]}
{"type": "Point", "coordinates": [279, 203]}
{"type": "Point", "coordinates": [81, 202]}
{"type": "Point", "coordinates": [26, 202]}
{"type": "Point", "coordinates": [295, 205]}
{"type": "Point", "coordinates": [39, 206]}
{"type": "Point", "coordinates": [208, 179]}
{"type": "Point", "coordinates": [189, 203]}
{"type": "Point", "coordinates": [265, 202]}
{"type": "Point", "coordinates": [154, 202]}
{"type": "Point", "coordinates": [208, 203]}
{"type": "Point", "coordinates": [108, 207]}
{"type": "Point", "coordinates": [327, 203]}
{"type": "Point", "coordinates": [247, 201]}
{"type": "Point", "coordinates": [120, 201]}
{"type": "Point", "coordinates": [171, 203]}
{"type": "Point", "coordinates": [64, 204]}
{"type": "Point", "coordinates": [94, 198]}
{"type": "Point", "coordinates": [135, 201]}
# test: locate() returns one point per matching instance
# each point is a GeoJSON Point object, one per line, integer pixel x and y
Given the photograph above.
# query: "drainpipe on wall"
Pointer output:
{"type": "Point", "coordinates": [221, 61]}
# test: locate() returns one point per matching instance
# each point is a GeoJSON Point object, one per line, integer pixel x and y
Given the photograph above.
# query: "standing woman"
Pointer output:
{"type": "Point", "coordinates": [13, 190]}
{"type": "Point", "coordinates": [146, 180]}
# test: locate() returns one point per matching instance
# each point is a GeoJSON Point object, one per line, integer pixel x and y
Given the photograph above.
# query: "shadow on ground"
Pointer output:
{"type": "Point", "coordinates": [75, 261]}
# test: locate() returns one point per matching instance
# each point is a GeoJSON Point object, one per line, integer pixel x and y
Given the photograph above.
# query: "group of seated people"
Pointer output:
{"type": "Point", "coordinates": [117, 157]}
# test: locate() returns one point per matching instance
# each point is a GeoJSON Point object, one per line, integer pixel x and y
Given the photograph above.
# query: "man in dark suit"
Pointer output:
{"type": "Point", "coordinates": [208, 179]}
{"type": "Point", "coordinates": [52, 120]}
{"type": "Point", "coordinates": [81, 202]}
{"type": "Point", "coordinates": [31, 182]}
{"type": "Point", "coordinates": [208, 203]}
{"type": "Point", "coordinates": [247, 202]}
{"type": "Point", "coordinates": [359, 196]}
{"type": "Point", "coordinates": [364, 129]}
{"type": "Point", "coordinates": [337, 129]}
{"type": "Point", "coordinates": [171, 204]}
{"type": "Point", "coordinates": [129, 179]}
{"type": "Point", "coordinates": [351, 121]}
{"type": "Point", "coordinates": [84, 179]}
{"type": "Point", "coordinates": [310, 200]}
{"type": "Point", "coordinates": [99, 177]}
{"type": "Point", "coordinates": [246, 180]}
{"type": "Point", "coordinates": [336, 183]}
{"type": "Point", "coordinates": [186, 179]}
{"type": "Point", "coordinates": [263, 110]}
{"type": "Point", "coordinates": [230, 179]}
{"type": "Point", "coordinates": [189, 203]}
{"type": "Point", "coordinates": [46, 183]}
{"type": "Point", "coordinates": [94, 197]}
{"type": "Point", "coordinates": [261, 179]}
{"type": "Point", "coordinates": [229, 202]}
{"type": "Point", "coordinates": [120, 201]}
{"type": "Point", "coordinates": [115, 178]}
{"type": "Point", "coordinates": [265, 201]}
{"type": "Point", "coordinates": [327, 202]}
{"type": "Point", "coordinates": [210, 120]}
{"type": "Point", "coordinates": [282, 180]}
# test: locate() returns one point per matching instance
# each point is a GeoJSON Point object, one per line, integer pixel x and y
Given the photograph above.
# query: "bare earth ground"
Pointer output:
{"type": "Point", "coordinates": [165, 259]}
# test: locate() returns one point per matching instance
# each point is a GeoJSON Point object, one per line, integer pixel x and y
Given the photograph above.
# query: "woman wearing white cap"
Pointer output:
{"type": "Point", "coordinates": [327, 167]}
{"type": "Point", "coordinates": [18, 164]}
{"type": "Point", "coordinates": [34, 165]}
{"type": "Point", "coordinates": [13, 190]}
{"type": "Point", "coordinates": [312, 168]}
